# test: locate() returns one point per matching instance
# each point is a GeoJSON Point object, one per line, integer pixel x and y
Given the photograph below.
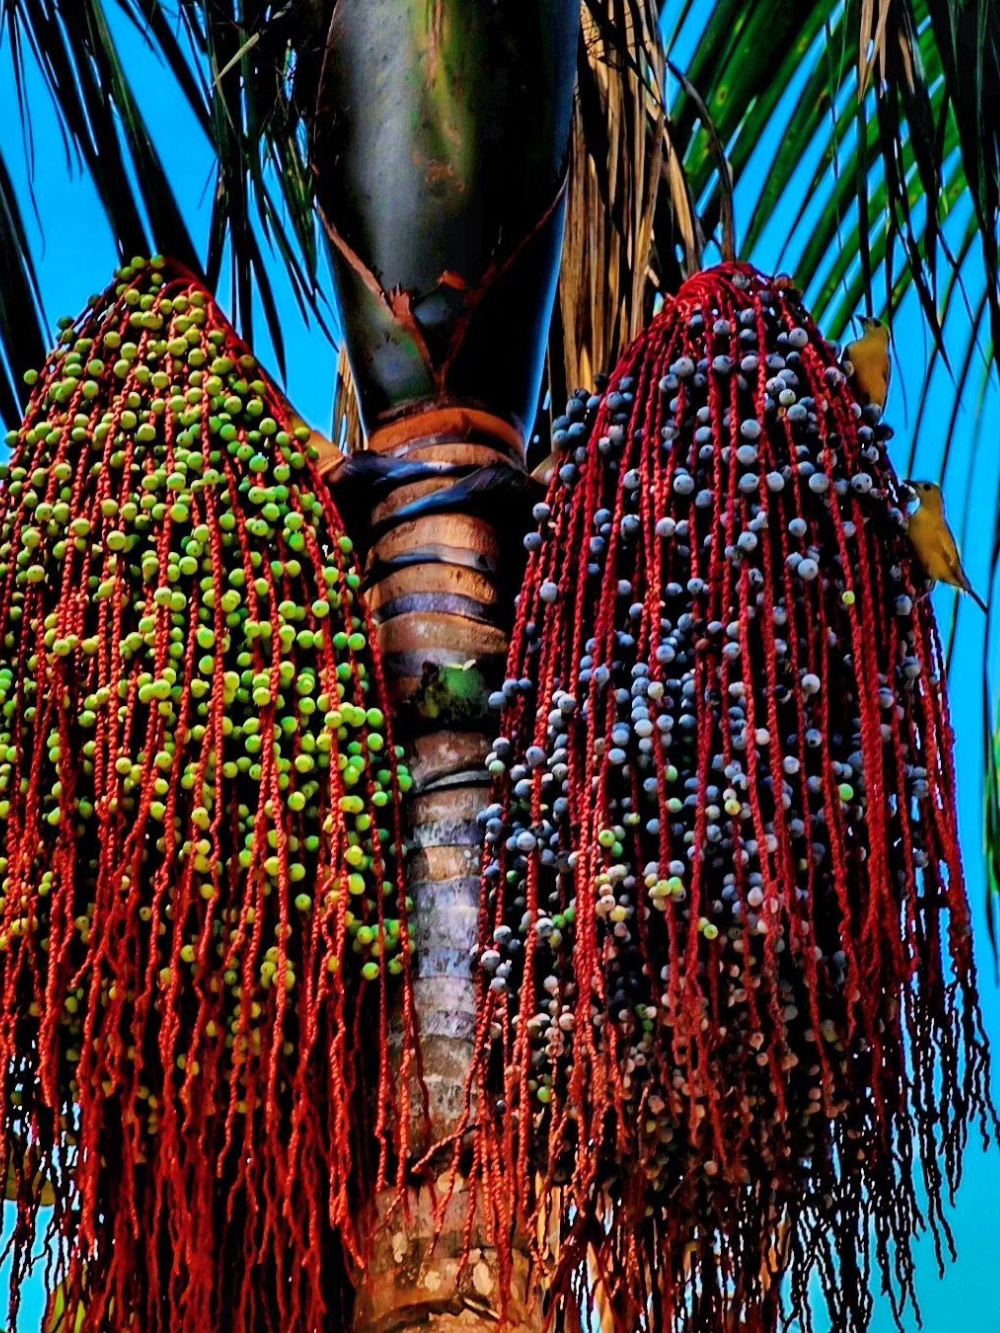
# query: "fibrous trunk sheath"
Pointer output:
{"type": "Point", "coordinates": [440, 153]}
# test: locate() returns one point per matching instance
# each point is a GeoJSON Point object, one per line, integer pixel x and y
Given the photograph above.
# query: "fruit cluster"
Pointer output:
{"type": "Point", "coordinates": [722, 885]}
{"type": "Point", "coordinates": [201, 891]}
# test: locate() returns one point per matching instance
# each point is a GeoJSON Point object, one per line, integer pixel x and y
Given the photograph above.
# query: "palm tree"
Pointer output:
{"type": "Point", "coordinates": [432, 155]}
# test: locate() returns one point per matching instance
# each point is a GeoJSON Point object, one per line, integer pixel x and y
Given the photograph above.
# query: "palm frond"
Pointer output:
{"type": "Point", "coordinates": [247, 70]}
{"type": "Point", "coordinates": [76, 59]}
{"type": "Point", "coordinates": [881, 98]}
{"type": "Point", "coordinates": [262, 61]}
{"type": "Point", "coordinates": [347, 433]}
{"type": "Point", "coordinates": [621, 157]}
{"type": "Point", "coordinates": [22, 345]}
{"type": "Point", "coordinates": [895, 89]}
{"type": "Point", "coordinates": [884, 99]}
{"type": "Point", "coordinates": [992, 748]}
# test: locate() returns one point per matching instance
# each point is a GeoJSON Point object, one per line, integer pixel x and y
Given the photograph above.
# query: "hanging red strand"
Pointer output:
{"type": "Point", "coordinates": [201, 912]}
{"type": "Point", "coordinates": [729, 1025]}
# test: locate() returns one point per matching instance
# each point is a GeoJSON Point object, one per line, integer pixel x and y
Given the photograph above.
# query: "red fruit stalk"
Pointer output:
{"type": "Point", "coordinates": [201, 909]}
{"type": "Point", "coordinates": [728, 1019]}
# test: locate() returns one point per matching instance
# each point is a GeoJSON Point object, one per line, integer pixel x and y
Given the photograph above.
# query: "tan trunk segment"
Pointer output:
{"type": "Point", "coordinates": [416, 1275]}
{"type": "Point", "coordinates": [443, 879]}
{"type": "Point", "coordinates": [454, 531]}
{"type": "Point", "coordinates": [404, 495]}
{"type": "Point", "coordinates": [411, 1283]}
{"type": "Point", "coordinates": [429, 581]}
{"type": "Point", "coordinates": [447, 426]}
{"type": "Point", "coordinates": [444, 630]}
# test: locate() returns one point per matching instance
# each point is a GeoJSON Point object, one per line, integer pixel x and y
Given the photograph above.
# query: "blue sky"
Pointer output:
{"type": "Point", "coordinates": [76, 254]}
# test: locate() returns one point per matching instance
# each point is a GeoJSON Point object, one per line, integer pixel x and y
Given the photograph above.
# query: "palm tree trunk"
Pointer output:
{"type": "Point", "coordinates": [440, 155]}
{"type": "Point", "coordinates": [434, 591]}
{"type": "Point", "coordinates": [435, 594]}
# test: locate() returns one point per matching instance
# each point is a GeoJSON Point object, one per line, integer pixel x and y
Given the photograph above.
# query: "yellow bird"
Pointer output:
{"type": "Point", "coordinates": [871, 368]}
{"type": "Point", "coordinates": [934, 541]}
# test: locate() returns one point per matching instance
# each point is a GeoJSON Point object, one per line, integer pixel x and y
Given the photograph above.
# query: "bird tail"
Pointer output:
{"type": "Point", "coordinates": [977, 599]}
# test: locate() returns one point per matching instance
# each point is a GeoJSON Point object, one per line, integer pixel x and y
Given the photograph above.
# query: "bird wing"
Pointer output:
{"type": "Point", "coordinates": [953, 561]}
{"type": "Point", "coordinates": [951, 557]}
{"type": "Point", "coordinates": [961, 578]}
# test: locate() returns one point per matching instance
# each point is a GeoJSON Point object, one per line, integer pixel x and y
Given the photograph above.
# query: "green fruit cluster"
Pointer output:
{"type": "Point", "coordinates": [195, 766]}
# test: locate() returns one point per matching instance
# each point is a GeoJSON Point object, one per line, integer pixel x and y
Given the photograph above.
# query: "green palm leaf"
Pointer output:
{"type": "Point", "coordinates": [891, 110]}
{"type": "Point", "coordinates": [21, 342]}
{"type": "Point", "coordinates": [247, 71]}
{"type": "Point", "coordinates": [885, 127]}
